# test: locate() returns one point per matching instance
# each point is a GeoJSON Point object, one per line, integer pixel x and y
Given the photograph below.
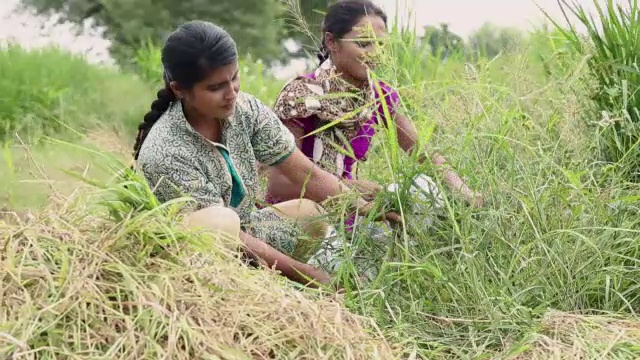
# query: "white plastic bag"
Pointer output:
{"type": "Point", "coordinates": [426, 197]}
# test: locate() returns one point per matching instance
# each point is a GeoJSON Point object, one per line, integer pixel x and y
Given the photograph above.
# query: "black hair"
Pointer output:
{"type": "Point", "coordinates": [342, 16]}
{"type": "Point", "coordinates": [189, 54]}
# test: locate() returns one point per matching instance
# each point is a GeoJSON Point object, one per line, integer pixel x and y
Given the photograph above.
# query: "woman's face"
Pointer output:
{"type": "Point", "coordinates": [215, 96]}
{"type": "Point", "coordinates": [354, 53]}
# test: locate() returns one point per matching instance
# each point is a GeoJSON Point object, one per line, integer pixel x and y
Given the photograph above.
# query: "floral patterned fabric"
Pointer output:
{"type": "Point", "coordinates": [309, 102]}
{"type": "Point", "coordinates": [178, 161]}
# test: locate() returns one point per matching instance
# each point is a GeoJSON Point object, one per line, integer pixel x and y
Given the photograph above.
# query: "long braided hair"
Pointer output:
{"type": "Point", "coordinates": [190, 53]}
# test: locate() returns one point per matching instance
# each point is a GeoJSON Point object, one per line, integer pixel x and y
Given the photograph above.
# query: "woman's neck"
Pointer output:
{"type": "Point", "coordinates": [358, 84]}
{"type": "Point", "coordinates": [210, 129]}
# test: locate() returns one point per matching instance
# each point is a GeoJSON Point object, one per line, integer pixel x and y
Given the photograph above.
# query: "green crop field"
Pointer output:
{"type": "Point", "coordinates": [548, 268]}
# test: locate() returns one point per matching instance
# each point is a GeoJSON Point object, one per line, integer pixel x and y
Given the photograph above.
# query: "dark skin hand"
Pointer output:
{"type": "Point", "coordinates": [407, 139]}
{"type": "Point", "coordinates": [320, 185]}
{"type": "Point", "coordinates": [407, 136]}
{"type": "Point", "coordinates": [297, 271]}
{"type": "Point", "coordinates": [367, 189]}
{"type": "Point", "coordinates": [280, 184]}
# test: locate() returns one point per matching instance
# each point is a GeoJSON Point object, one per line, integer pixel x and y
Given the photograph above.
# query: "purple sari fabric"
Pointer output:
{"type": "Point", "coordinates": [361, 143]}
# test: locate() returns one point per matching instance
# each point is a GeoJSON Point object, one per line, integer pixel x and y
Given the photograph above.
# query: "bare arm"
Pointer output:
{"type": "Point", "coordinates": [289, 267]}
{"type": "Point", "coordinates": [282, 188]}
{"type": "Point", "coordinates": [321, 185]}
{"type": "Point", "coordinates": [367, 188]}
{"type": "Point", "coordinates": [407, 138]}
{"type": "Point", "coordinates": [278, 184]}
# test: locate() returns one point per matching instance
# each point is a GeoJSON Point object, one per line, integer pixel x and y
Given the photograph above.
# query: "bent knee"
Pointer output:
{"type": "Point", "coordinates": [311, 207]}
{"type": "Point", "coordinates": [216, 218]}
{"type": "Point", "coordinates": [301, 208]}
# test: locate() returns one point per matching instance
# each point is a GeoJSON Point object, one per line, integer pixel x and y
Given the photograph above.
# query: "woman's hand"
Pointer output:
{"type": "Point", "coordinates": [474, 199]}
{"type": "Point", "coordinates": [367, 189]}
{"type": "Point", "coordinates": [317, 275]}
{"type": "Point", "coordinates": [321, 185]}
{"type": "Point", "coordinates": [390, 216]}
{"type": "Point", "coordinates": [455, 183]}
{"type": "Point", "coordinates": [295, 270]}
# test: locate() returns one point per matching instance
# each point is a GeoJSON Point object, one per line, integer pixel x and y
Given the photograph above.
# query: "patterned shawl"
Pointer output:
{"type": "Point", "coordinates": [319, 99]}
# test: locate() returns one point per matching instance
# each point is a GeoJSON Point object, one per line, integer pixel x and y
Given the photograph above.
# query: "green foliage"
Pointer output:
{"type": "Point", "coordinates": [490, 40]}
{"type": "Point", "coordinates": [51, 93]}
{"type": "Point", "coordinates": [303, 22]}
{"type": "Point", "coordinates": [477, 283]}
{"type": "Point", "coordinates": [613, 47]}
{"type": "Point", "coordinates": [258, 27]}
{"type": "Point", "coordinates": [442, 42]}
{"type": "Point", "coordinates": [44, 92]}
{"type": "Point", "coordinates": [148, 63]}
{"type": "Point", "coordinates": [548, 268]}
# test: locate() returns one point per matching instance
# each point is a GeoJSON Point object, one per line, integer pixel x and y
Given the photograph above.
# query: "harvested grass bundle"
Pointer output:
{"type": "Point", "coordinates": [574, 336]}
{"type": "Point", "coordinates": [77, 285]}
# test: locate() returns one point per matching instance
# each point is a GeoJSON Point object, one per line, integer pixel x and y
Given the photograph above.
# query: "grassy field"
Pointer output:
{"type": "Point", "coordinates": [547, 269]}
{"type": "Point", "coordinates": [48, 94]}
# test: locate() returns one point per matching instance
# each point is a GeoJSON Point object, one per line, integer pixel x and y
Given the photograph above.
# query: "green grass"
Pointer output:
{"type": "Point", "coordinates": [50, 93]}
{"type": "Point", "coordinates": [547, 269]}
{"type": "Point", "coordinates": [556, 235]}
{"type": "Point", "coordinates": [613, 49]}
{"type": "Point", "coordinates": [47, 91]}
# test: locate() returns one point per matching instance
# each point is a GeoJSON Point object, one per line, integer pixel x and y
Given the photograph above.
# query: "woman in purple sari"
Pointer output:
{"type": "Point", "coordinates": [341, 89]}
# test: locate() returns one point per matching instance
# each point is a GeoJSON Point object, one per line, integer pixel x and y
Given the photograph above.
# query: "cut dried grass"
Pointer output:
{"type": "Point", "coordinates": [574, 336]}
{"type": "Point", "coordinates": [110, 140]}
{"type": "Point", "coordinates": [76, 285]}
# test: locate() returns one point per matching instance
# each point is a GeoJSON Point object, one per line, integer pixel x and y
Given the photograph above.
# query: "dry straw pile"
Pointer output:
{"type": "Point", "coordinates": [566, 335]}
{"type": "Point", "coordinates": [78, 285]}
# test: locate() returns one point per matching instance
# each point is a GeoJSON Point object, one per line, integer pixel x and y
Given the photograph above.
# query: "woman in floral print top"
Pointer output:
{"type": "Point", "coordinates": [203, 138]}
{"type": "Point", "coordinates": [312, 101]}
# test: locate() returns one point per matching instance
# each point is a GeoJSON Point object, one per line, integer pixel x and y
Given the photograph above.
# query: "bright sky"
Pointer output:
{"type": "Point", "coordinates": [463, 17]}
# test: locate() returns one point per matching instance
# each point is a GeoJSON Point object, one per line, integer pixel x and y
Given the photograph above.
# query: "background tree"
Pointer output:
{"type": "Point", "coordinates": [489, 40]}
{"type": "Point", "coordinates": [442, 41]}
{"type": "Point", "coordinates": [303, 23]}
{"type": "Point", "coordinates": [259, 27]}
